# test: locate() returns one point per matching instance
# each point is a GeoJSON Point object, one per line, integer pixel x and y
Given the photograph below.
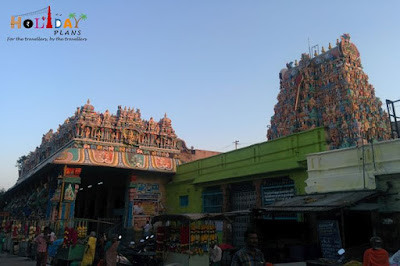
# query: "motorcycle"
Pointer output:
{"type": "Point", "coordinates": [142, 253]}
{"type": "Point", "coordinates": [121, 259]}
{"type": "Point", "coordinates": [341, 260]}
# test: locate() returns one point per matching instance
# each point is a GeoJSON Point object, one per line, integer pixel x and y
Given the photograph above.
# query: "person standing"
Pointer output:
{"type": "Point", "coordinates": [90, 249]}
{"type": "Point", "coordinates": [112, 251]}
{"type": "Point", "coordinates": [53, 247]}
{"type": "Point", "coordinates": [138, 233]}
{"type": "Point", "coordinates": [41, 251]}
{"type": "Point", "coordinates": [99, 253]}
{"type": "Point", "coordinates": [147, 229]}
{"type": "Point", "coordinates": [376, 255]}
{"type": "Point", "coordinates": [249, 255]}
{"type": "Point", "coordinates": [215, 254]}
{"type": "Point", "coordinates": [2, 239]}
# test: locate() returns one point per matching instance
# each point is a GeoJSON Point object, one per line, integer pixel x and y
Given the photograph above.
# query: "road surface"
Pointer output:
{"type": "Point", "coordinates": [11, 260]}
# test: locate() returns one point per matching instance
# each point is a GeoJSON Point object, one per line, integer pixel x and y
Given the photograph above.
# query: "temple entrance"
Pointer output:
{"type": "Point", "coordinates": [101, 194]}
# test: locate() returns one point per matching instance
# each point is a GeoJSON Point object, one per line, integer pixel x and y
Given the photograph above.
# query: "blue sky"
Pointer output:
{"type": "Point", "coordinates": [211, 65]}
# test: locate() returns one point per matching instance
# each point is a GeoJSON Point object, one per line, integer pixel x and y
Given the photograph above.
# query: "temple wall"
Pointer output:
{"type": "Point", "coordinates": [146, 197]}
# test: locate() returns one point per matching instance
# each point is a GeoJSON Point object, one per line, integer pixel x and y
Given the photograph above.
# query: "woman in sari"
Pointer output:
{"type": "Point", "coordinates": [89, 250]}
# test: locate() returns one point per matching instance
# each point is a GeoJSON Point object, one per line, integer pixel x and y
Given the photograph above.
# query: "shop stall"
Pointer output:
{"type": "Point", "coordinates": [68, 237]}
{"type": "Point", "coordinates": [185, 238]}
{"type": "Point", "coordinates": [75, 235]}
{"type": "Point", "coordinates": [19, 235]}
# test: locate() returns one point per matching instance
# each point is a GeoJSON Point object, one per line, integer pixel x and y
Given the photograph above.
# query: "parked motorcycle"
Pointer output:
{"type": "Point", "coordinates": [123, 261]}
{"type": "Point", "coordinates": [142, 253]}
{"type": "Point", "coordinates": [342, 260]}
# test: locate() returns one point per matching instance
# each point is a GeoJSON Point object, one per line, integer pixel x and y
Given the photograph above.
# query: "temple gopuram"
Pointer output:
{"type": "Point", "coordinates": [330, 90]}
{"type": "Point", "coordinates": [100, 166]}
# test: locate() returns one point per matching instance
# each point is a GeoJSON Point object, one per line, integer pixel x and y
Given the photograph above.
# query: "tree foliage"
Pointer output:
{"type": "Point", "coordinates": [20, 161]}
{"type": "Point", "coordinates": [2, 199]}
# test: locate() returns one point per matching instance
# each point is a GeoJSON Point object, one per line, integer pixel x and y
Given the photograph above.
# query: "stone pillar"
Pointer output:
{"type": "Point", "coordinates": [63, 200]}
{"type": "Point", "coordinates": [131, 191]}
{"type": "Point", "coordinates": [72, 204]}
{"type": "Point", "coordinates": [257, 184]}
{"type": "Point", "coordinates": [69, 195]}
{"type": "Point", "coordinates": [226, 204]}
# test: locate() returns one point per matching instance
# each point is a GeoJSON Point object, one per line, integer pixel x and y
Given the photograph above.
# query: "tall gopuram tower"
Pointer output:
{"type": "Point", "coordinates": [330, 90]}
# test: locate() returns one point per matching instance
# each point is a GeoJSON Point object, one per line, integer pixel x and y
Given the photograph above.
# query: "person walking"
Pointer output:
{"type": "Point", "coordinates": [376, 255]}
{"type": "Point", "coordinates": [250, 255]}
{"type": "Point", "coordinates": [42, 240]}
{"type": "Point", "coordinates": [112, 251]}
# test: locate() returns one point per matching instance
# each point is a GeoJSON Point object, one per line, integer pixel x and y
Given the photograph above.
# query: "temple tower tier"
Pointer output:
{"type": "Point", "coordinates": [331, 90]}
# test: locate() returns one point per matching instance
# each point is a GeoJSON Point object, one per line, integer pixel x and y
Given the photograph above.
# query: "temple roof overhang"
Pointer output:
{"type": "Point", "coordinates": [119, 159]}
{"type": "Point", "coordinates": [102, 154]}
{"type": "Point", "coordinates": [123, 140]}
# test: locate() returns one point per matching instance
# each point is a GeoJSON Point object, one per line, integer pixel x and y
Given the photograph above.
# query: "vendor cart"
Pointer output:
{"type": "Point", "coordinates": [185, 238]}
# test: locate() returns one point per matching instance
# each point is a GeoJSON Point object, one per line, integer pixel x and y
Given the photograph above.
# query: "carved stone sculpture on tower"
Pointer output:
{"type": "Point", "coordinates": [330, 90]}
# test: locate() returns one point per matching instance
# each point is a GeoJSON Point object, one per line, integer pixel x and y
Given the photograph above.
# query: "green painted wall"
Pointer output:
{"type": "Point", "coordinates": [175, 191]}
{"type": "Point", "coordinates": [285, 156]}
{"type": "Point", "coordinates": [299, 177]}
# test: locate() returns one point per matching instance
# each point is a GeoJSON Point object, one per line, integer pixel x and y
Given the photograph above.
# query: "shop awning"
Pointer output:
{"type": "Point", "coordinates": [318, 202]}
{"type": "Point", "coordinates": [191, 217]}
{"type": "Point", "coordinates": [237, 213]}
{"type": "Point", "coordinates": [188, 217]}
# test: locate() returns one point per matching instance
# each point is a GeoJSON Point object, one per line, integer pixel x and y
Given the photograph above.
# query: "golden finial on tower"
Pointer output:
{"type": "Point", "coordinates": [330, 46]}
{"type": "Point", "coordinates": [323, 50]}
{"type": "Point", "coordinates": [296, 63]}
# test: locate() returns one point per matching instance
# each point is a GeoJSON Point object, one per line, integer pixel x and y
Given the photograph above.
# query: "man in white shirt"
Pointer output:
{"type": "Point", "coordinates": [215, 253]}
{"type": "Point", "coordinates": [147, 229]}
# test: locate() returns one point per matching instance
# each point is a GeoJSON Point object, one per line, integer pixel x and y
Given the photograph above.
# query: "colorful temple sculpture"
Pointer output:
{"type": "Point", "coordinates": [330, 90]}
{"type": "Point", "coordinates": [100, 165]}
{"type": "Point", "coordinates": [126, 131]}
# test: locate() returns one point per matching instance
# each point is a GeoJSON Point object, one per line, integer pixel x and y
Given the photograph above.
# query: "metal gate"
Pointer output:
{"type": "Point", "coordinates": [243, 197]}
{"type": "Point", "coordinates": [276, 189]}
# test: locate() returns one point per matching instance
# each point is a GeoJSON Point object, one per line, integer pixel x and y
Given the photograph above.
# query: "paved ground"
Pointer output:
{"type": "Point", "coordinates": [291, 264]}
{"type": "Point", "coordinates": [11, 260]}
